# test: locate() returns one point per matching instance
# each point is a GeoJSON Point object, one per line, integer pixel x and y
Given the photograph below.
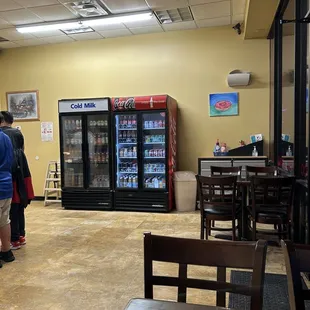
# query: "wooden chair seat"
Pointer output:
{"type": "Point", "coordinates": [220, 210]}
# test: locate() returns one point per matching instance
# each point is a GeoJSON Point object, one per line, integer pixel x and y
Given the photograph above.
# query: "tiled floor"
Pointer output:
{"type": "Point", "coordinates": [94, 260]}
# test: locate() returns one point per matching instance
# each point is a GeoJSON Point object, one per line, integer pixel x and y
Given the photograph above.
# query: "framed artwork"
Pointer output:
{"type": "Point", "coordinates": [224, 104]}
{"type": "Point", "coordinates": [24, 105]}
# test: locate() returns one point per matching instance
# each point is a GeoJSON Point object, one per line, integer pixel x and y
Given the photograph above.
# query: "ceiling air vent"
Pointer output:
{"type": "Point", "coordinates": [174, 15]}
{"type": "Point", "coordinates": [3, 40]}
{"type": "Point", "coordinates": [86, 8]}
{"type": "Point", "coordinates": [78, 30]}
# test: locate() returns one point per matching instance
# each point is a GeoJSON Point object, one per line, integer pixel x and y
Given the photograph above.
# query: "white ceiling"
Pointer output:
{"type": "Point", "coordinates": [207, 13]}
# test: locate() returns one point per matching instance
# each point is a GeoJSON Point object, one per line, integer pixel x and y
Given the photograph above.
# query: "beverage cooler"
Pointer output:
{"type": "Point", "coordinates": [144, 152]}
{"type": "Point", "coordinates": [85, 138]}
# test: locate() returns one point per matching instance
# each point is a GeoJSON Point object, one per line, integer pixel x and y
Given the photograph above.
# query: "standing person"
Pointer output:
{"type": "Point", "coordinates": [22, 184]}
{"type": "Point", "coordinates": [6, 192]}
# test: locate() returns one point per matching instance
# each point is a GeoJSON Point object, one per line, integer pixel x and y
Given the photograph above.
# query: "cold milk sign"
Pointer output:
{"type": "Point", "coordinates": [86, 105]}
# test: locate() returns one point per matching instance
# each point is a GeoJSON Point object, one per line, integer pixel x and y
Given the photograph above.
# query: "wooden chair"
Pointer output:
{"type": "Point", "coordinates": [271, 203]}
{"type": "Point", "coordinates": [217, 170]}
{"type": "Point", "coordinates": [296, 261]}
{"type": "Point", "coordinates": [217, 196]}
{"type": "Point", "coordinates": [220, 254]}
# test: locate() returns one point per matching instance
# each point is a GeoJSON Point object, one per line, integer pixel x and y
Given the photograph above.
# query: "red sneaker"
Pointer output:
{"type": "Point", "coordinates": [22, 240]}
{"type": "Point", "coordinates": [15, 245]}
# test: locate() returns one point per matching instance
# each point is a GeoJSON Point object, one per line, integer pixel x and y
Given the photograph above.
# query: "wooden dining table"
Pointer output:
{"type": "Point", "coordinates": [150, 304]}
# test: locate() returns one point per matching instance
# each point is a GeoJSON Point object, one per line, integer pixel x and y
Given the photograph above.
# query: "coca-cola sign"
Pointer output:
{"type": "Point", "coordinates": [157, 102]}
{"type": "Point", "coordinates": [125, 104]}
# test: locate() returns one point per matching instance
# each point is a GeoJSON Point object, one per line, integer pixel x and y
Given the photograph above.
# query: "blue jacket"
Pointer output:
{"type": "Point", "coordinates": [6, 160]}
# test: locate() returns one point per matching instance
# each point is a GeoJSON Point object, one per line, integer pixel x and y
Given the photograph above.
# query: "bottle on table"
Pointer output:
{"type": "Point", "coordinates": [254, 153]}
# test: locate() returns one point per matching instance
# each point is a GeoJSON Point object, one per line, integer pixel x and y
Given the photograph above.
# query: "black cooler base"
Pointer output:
{"type": "Point", "coordinates": [137, 201]}
{"type": "Point", "coordinates": [87, 200]}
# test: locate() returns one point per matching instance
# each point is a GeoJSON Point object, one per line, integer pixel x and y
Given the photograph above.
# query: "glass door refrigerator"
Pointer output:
{"type": "Point", "coordinates": [85, 153]}
{"type": "Point", "coordinates": [144, 152]}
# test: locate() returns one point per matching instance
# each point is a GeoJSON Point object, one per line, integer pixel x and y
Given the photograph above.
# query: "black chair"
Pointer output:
{"type": "Point", "coordinates": [297, 260]}
{"type": "Point", "coordinates": [271, 203]}
{"type": "Point", "coordinates": [217, 197]}
{"type": "Point", "coordinates": [220, 254]}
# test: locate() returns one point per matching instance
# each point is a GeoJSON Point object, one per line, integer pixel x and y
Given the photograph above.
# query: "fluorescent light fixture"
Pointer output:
{"type": "Point", "coordinates": [116, 19]}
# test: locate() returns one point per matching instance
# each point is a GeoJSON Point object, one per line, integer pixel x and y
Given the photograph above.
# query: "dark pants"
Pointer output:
{"type": "Point", "coordinates": [17, 216]}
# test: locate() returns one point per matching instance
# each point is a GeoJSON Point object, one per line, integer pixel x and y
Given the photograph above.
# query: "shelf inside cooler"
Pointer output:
{"type": "Point", "coordinates": [154, 157]}
{"type": "Point", "coordinates": [150, 143]}
{"type": "Point", "coordinates": [154, 172]}
{"type": "Point", "coordinates": [127, 172]}
{"type": "Point", "coordinates": [157, 128]}
{"type": "Point", "coordinates": [127, 157]}
{"type": "Point", "coordinates": [128, 143]}
{"type": "Point", "coordinates": [122, 129]}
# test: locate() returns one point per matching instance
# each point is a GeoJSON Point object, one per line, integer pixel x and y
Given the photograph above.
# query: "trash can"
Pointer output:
{"type": "Point", "coordinates": [185, 186]}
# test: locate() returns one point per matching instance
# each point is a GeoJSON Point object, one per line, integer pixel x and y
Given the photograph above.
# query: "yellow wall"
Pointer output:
{"type": "Point", "coordinates": [187, 65]}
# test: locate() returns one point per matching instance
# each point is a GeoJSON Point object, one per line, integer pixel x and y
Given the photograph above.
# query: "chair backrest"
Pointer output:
{"type": "Point", "coordinates": [221, 254]}
{"type": "Point", "coordinates": [270, 170]}
{"type": "Point", "coordinates": [272, 191]}
{"type": "Point", "coordinates": [217, 190]}
{"type": "Point", "coordinates": [215, 170]}
{"type": "Point", "coordinates": [297, 260]}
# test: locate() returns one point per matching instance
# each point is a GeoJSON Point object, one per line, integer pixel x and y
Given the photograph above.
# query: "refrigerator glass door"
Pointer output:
{"type": "Point", "coordinates": [72, 151]}
{"type": "Point", "coordinates": [98, 150]}
{"type": "Point", "coordinates": [126, 151]}
{"type": "Point", "coordinates": [154, 150]}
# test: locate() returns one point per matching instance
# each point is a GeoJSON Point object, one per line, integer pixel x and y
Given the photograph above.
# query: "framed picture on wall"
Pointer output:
{"type": "Point", "coordinates": [24, 105]}
{"type": "Point", "coordinates": [224, 104]}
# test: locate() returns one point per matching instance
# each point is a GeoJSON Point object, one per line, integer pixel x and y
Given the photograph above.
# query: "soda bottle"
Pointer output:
{"type": "Point", "coordinates": [125, 135]}
{"type": "Point", "coordinates": [129, 122]}
{"type": "Point", "coordinates": [103, 157]}
{"type": "Point", "coordinates": [163, 153]}
{"type": "Point", "coordinates": [160, 183]}
{"type": "Point", "coordinates": [120, 136]}
{"type": "Point", "coordinates": [121, 153]}
{"type": "Point", "coordinates": [155, 124]}
{"type": "Point", "coordinates": [160, 124]}
{"type": "Point", "coordinates": [134, 122]}
{"type": "Point", "coordinates": [163, 124]}
{"type": "Point", "coordinates": [134, 152]}
{"type": "Point", "coordinates": [125, 122]}
{"type": "Point", "coordinates": [146, 124]}
{"type": "Point", "coordinates": [107, 157]}
{"type": "Point", "coordinates": [146, 153]}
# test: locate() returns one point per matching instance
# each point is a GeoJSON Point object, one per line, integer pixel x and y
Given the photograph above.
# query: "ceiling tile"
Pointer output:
{"type": "Point", "coordinates": [211, 10]}
{"type": "Point", "coordinates": [53, 12]}
{"type": "Point", "coordinates": [151, 29]}
{"type": "Point", "coordinates": [7, 5]}
{"type": "Point", "coordinates": [4, 24]}
{"type": "Point", "coordinates": [109, 27]}
{"type": "Point", "coordinates": [167, 4]}
{"type": "Point", "coordinates": [33, 3]}
{"type": "Point", "coordinates": [123, 6]}
{"type": "Point", "coordinates": [4, 45]}
{"type": "Point", "coordinates": [86, 36]}
{"type": "Point", "coordinates": [115, 33]}
{"type": "Point", "coordinates": [20, 17]}
{"type": "Point", "coordinates": [142, 23]}
{"type": "Point", "coordinates": [58, 39]}
{"type": "Point", "coordinates": [237, 18]}
{"type": "Point", "coordinates": [13, 35]}
{"type": "Point", "coordinates": [195, 2]}
{"type": "Point", "coordinates": [238, 7]}
{"type": "Point", "coordinates": [30, 42]}
{"type": "Point", "coordinates": [51, 33]}
{"type": "Point", "coordinates": [213, 22]}
{"type": "Point", "coordinates": [180, 26]}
